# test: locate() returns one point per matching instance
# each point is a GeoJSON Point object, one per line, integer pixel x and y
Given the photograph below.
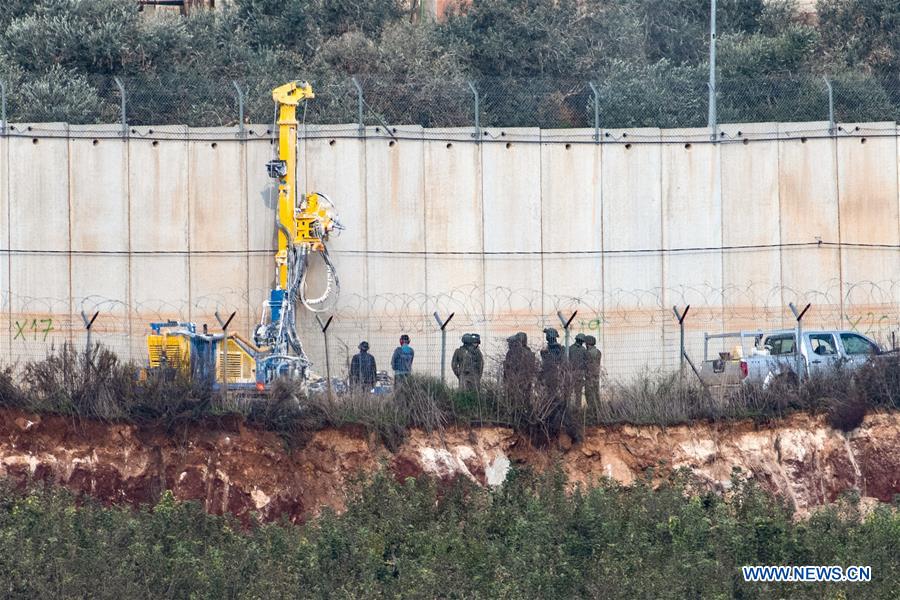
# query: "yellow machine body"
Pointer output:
{"type": "Point", "coordinates": [241, 364]}
{"type": "Point", "coordinates": [169, 350]}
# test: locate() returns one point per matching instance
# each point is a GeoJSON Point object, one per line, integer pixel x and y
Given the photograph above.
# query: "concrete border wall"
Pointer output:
{"type": "Point", "coordinates": [176, 222]}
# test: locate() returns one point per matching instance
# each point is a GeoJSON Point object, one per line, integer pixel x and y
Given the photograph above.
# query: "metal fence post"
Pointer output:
{"type": "Point", "coordinates": [477, 133]}
{"type": "Point", "coordinates": [240, 96]}
{"type": "Point", "coordinates": [87, 326]}
{"type": "Point", "coordinates": [831, 127]}
{"type": "Point", "coordinates": [798, 315]}
{"type": "Point", "coordinates": [680, 316]}
{"type": "Point", "coordinates": [122, 106]}
{"type": "Point", "coordinates": [443, 325]}
{"type": "Point", "coordinates": [324, 327]}
{"type": "Point", "coordinates": [565, 324]}
{"type": "Point", "coordinates": [360, 105]}
{"type": "Point", "coordinates": [225, 325]}
{"type": "Point", "coordinates": [2, 108]}
{"type": "Point", "coordinates": [712, 71]}
{"type": "Point", "coordinates": [596, 97]}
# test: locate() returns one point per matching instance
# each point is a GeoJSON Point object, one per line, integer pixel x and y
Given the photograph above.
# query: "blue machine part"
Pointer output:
{"type": "Point", "coordinates": [157, 326]}
{"type": "Point", "coordinates": [203, 359]}
{"type": "Point", "coordinates": [276, 297]}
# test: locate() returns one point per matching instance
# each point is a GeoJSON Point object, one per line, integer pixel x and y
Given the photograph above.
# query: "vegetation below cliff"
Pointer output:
{"type": "Point", "coordinates": [417, 538]}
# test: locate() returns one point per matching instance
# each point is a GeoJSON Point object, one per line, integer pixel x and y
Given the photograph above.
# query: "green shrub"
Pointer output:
{"type": "Point", "coordinates": [532, 537]}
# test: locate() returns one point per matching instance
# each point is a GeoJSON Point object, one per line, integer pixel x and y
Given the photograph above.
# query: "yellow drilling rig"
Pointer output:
{"type": "Point", "coordinates": [303, 223]}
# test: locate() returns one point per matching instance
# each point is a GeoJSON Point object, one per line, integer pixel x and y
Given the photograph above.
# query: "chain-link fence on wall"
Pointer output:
{"type": "Point", "coordinates": [668, 99]}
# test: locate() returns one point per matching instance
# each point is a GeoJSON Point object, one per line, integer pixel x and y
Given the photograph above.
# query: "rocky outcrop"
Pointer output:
{"type": "Point", "coordinates": [229, 467]}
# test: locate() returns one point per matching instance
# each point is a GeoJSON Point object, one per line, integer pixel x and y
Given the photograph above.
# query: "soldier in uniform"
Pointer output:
{"type": "Point", "coordinates": [578, 369]}
{"type": "Point", "coordinates": [468, 363]}
{"type": "Point", "coordinates": [592, 383]}
{"type": "Point", "coordinates": [552, 362]}
{"type": "Point", "coordinates": [519, 368]}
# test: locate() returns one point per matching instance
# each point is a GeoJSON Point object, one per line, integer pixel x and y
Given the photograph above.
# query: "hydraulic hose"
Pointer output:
{"type": "Point", "coordinates": [328, 298]}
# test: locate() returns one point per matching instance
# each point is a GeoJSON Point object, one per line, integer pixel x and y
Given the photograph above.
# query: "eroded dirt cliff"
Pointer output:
{"type": "Point", "coordinates": [231, 468]}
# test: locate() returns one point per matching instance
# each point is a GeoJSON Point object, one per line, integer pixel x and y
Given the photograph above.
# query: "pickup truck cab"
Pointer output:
{"type": "Point", "coordinates": [775, 355]}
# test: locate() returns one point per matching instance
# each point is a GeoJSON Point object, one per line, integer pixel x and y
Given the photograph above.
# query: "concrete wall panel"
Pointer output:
{"type": "Point", "coordinates": [867, 193]}
{"type": "Point", "coordinates": [336, 166]}
{"type": "Point", "coordinates": [751, 274]}
{"type": "Point", "coordinates": [218, 226]}
{"type": "Point", "coordinates": [511, 196]}
{"type": "Point", "coordinates": [158, 188]}
{"type": "Point", "coordinates": [692, 219]}
{"type": "Point", "coordinates": [39, 221]}
{"type": "Point", "coordinates": [262, 201]}
{"type": "Point", "coordinates": [453, 210]}
{"type": "Point", "coordinates": [511, 188]}
{"type": "Point", "coordinates": [158, 169]}
{"type": "Point", "coordinates": [99, 228]}
{"type": "Point", "coordinates": [809, 213]}
{"type": "Point", "coordinates": [159, 291]}
{"type": "Point", "coordinates": [632, 233]}
{"type": "Point", "coordinates": [572, 232]}
{"type": "Point", "coordinates": [395, 233]}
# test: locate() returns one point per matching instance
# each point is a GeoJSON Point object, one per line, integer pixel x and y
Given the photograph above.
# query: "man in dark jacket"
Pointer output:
{"type": "Point", "coordinates": [402, 360]}
{"type": "Point", "coordinates": [362, 368]}
{"type": "Point", "coordinates": [468, 363]}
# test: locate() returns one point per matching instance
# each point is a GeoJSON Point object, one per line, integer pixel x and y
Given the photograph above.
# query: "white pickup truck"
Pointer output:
{"type": "Point", "coordinates": [767, 356]}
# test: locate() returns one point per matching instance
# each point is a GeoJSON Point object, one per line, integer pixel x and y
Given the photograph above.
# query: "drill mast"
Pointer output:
{"type": "Point", "coordinates": [303, 222]}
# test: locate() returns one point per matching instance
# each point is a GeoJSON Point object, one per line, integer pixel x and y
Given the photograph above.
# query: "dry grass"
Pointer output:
{"type": "Point", "coordinates": [97, 386]}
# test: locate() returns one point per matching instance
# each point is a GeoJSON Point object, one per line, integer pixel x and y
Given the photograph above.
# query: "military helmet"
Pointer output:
{"type": "Point", "coordinates": [466, 339]}
{"type": "Point", "coordinates": [580, 337]}
{"type": "Point", "coordinates": [590, 340]}
{"type": "Point", "coordinates": [364, 346]}
{"type": "Point", "coordinates": [550, 333]}
{"type": "Point", "coordinates": [476, 339]}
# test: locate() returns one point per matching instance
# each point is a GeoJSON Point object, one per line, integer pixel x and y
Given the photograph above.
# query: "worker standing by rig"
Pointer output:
{"type": "Point", "coordinates": [362, 368]}
{"type": "Point", "coordinates": [402, 360]}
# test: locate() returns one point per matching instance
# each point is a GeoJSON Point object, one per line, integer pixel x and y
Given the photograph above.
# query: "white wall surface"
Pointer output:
{"type": "Point", "coordinates": [178, 223]}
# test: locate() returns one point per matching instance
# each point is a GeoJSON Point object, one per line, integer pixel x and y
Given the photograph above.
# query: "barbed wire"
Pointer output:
{"type": "Point", "coordinates": [635, 328]}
